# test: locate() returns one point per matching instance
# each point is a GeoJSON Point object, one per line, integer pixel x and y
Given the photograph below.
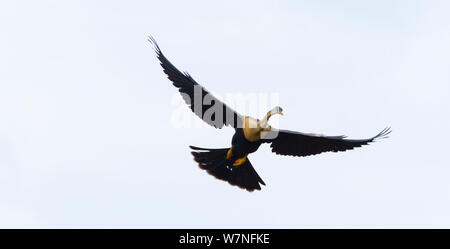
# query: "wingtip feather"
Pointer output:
{"type": "Point", "coordinates": [154, 44]}
{"type": "Point", "coordinates": [383, 134]}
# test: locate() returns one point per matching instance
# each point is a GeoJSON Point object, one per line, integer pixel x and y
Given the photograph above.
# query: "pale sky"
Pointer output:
{"type": "Point", "coordinates": [86, 138]}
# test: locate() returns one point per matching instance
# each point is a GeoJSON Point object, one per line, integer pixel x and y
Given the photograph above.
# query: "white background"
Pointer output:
{"type": "Point", "coordinates": [86, 138]}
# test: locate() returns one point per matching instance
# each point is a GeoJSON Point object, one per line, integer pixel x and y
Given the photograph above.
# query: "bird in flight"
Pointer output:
{"type": "Point", "coordinates": [232, 164]}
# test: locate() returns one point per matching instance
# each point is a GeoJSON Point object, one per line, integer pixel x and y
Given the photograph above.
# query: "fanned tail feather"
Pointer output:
{"type": "Point", "coordinates": [215, 163]}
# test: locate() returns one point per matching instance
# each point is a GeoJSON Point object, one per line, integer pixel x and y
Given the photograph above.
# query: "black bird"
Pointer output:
{"type": "Point", "coordinates": [231, 164]}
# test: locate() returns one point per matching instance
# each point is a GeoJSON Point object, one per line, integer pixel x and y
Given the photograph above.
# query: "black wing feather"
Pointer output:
{"type": "Point", "coordinates": [186, 85]}
{"type": "Point", "coordinates": [291, 143]}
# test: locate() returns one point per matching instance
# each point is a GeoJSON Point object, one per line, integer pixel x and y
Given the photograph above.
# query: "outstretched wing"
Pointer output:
{"type": "Point", "coordinates": [202, 103]}
{"type": "Point", "coordinates": [291, 143]}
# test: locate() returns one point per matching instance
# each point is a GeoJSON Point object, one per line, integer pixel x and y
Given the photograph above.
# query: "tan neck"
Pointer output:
{"type": "Point", "coordinates": [263, 123]}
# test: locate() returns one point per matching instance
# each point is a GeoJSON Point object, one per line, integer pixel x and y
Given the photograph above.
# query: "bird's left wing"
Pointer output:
{"type": "Point", "coordinates": [202, 103]}
{"type": "Point", "coordinates": [291, 143]}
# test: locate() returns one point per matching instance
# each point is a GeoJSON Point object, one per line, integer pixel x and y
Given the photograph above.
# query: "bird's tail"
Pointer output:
{"type": "Point", "coordinates": [214, 161]}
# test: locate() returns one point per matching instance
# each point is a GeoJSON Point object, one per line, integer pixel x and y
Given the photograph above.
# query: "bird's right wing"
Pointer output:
{"type": "Point", "coordinates": [291, 143]}
{"type": "Point", "coordinates": [202, 103]}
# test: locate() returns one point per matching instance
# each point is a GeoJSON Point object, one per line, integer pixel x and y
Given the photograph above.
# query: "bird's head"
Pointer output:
{"type": "Point", "coordinates": [276, 110]}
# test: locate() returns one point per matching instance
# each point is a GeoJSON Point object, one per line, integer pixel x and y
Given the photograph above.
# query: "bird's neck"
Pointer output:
{"type": "Point", "coordinates": [264, 122]}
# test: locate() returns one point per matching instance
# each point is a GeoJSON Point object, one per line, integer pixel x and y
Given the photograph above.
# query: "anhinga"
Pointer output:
{"type": "Point", "coordinates": [231, 164]}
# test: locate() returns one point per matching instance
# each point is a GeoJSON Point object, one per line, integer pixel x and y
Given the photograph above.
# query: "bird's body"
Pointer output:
{"type": "Point", "coordinates": [241, 146]}
{"type": "Point", "coordinates": [232, 164]}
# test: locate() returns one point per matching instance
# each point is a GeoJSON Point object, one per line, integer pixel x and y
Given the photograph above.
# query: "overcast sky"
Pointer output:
{"type": "Point", "coordinates": [86, 138]}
